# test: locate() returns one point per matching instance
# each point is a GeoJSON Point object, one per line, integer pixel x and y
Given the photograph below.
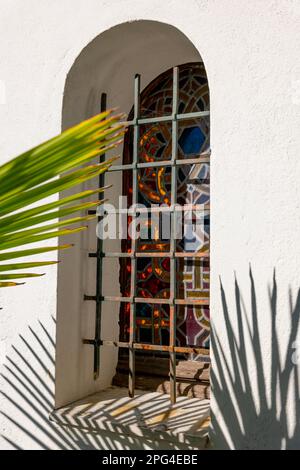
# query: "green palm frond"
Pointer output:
{"type": "Point", "coordinates": [54, 166]}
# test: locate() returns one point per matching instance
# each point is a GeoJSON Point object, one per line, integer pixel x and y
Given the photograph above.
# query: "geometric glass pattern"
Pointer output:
{"type": "Point", "coordinates": [154, 187]}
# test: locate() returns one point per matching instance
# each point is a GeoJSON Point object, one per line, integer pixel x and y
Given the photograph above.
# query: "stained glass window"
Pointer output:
{"type": "Point", "coordinates": [154, 187]}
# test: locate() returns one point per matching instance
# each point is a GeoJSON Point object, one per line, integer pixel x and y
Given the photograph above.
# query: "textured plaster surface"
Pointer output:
{"type": "Point", "coordinates": [251, 51]}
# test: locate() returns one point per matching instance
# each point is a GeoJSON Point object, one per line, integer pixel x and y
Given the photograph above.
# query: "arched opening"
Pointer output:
{"type": "Point", "coordinates": [108, 64]}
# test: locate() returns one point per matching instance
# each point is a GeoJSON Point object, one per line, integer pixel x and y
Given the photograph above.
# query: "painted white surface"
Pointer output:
{"type": "Point", "coordinates": [251, 51]}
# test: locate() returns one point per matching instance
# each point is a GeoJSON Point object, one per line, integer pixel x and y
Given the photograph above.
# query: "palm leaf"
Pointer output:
{"type": "Point", "coordinates": [18, 266]}
{"type": "Point", "coordinates": [18, 276]}
{"type": "Point", "coordinates": [11, 284]}
{"type": "Point", "coordinates": [47, 169]}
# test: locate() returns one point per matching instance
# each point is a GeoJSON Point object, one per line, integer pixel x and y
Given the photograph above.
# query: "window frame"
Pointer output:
{"type": "Point", "coordinates": [133, 300]}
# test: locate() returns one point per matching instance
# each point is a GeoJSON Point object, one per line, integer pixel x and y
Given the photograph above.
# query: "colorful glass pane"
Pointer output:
{"type": "Point", "coordinates": [154, 184]}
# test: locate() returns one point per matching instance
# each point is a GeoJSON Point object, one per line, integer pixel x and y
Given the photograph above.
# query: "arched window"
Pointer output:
{"type": "Point", "coordinates": [167, 140]}
{"type": "Point", "coordinates": [156, 184]}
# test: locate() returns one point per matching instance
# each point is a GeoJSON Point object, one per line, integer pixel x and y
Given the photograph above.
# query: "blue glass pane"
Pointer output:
{"type": "Point", "coordinates": [191, 140]}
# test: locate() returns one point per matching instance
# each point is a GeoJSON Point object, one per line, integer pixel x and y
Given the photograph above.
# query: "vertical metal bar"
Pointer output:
{"type": "Point", "coordinates": [99, 272]}
{"type": "Point", "coordinates": [172, 238]}
{"type": "Point", "coordinates": [132, 327]}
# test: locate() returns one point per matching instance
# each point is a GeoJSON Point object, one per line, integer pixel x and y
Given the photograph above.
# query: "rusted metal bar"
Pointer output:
{"type": "Point", "coordinates": [192, 349]}
{"type": "Point", "coordinates": [172, 329]}
{"type": "Point", "coordinates": [132, 326]}
{"type": "Point", "coordinates": [118, 344]}
{"type": "Point", "coordinates": [96, 342]}
{"type": "Point", "coordinates": [151, 254]}
{"type": "Point", "coordinates": [148, 300]}
{"type": "Point", "coordinates": [191, 255]}
{"type": "Point", "coordinates": [199, 302]}
{"type": "Point", "coordinates": [154, 254]}
{"type": "Point", "coordinates": [152, 347]}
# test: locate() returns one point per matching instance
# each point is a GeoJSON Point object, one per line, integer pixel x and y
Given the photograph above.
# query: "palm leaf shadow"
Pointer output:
{"type": "Point", "coordinates": [28, 391]}
{"type": "Point", "coordinates": [28, 388]}
{"type": "Point", "coordinates": [245, 420]}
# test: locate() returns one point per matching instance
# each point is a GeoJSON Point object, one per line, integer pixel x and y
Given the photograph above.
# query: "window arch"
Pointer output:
{"type": "Point", "coordinates": [86, 312]}
{"type": "Point", "coordinates": [154, 183]}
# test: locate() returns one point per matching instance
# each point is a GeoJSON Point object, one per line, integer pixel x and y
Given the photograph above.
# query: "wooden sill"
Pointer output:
{"type": "Point", "coordinates": [152, 374]}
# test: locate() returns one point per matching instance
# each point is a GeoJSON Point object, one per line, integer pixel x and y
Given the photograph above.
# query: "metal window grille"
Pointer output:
{"type": "Point", "coordinates": [172, 301]}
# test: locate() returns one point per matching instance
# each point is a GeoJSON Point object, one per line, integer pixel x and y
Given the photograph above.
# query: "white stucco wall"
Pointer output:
{"type": "Point", "coordinates": [251, 51]}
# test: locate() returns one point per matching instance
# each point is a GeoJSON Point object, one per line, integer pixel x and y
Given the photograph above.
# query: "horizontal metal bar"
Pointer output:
{"type": "Point", "coordinates": [151, 254]}
{"type": "Point", "coordinates": [154, 254]}
{"type": "Point", "coordinates": [117, 255]}
{"type": "Point", "coordinates": [151, 347]}
{"type": "Point", "coordinates": [91, 297]}
{"type": "Point", "coordinates": [156, 164]}
{"type": "Point", "coordinates": [193, 161]}
{"type": "Point", "coordinates": [158, 209]}
{"type": "Point", "coordinates": [202, 158]}
{"type": "Point", "coordinates": [89, 341]}
{"type": "Point", "coordinates": [151, 300]}
{"type": "Point", "coordinates": [93, 342]}
{"type": "Point", "coordinates": [153, 120]}
{"type": "Point", "coordinates": [119, 344]}
{"type": "Point", "coordinates": [189, 349]}
{"type": "Point", "coordinates": [178, 117]}
{"type": "Point", "coordinates": [198, 114]}
{"type": "Point", "coordinates": [199, 302]}
{"type": "Point", "coordinates": [128, 166]}
{"type": "Point", "coordinates": [148, 300]}
{"type": "Point", "coordinates": [191, 255]}
{"type": "Point", "coordinates": [107, 298]}
{"type": "Point", "coordinates": [112, 298]}
{"type": "Point", "coordinates": [111, 255]}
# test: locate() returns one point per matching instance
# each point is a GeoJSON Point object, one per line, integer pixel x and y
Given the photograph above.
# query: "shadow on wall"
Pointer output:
{"type": "Point", "coordinates": [28, 397]}
{"type": "Point", "coordinates": [262, 423]}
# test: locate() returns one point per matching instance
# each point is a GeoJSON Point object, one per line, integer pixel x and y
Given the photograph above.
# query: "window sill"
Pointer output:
{"type": "Point", "coordinates": [149, 415]}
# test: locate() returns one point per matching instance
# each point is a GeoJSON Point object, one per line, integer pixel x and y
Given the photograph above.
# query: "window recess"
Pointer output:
{"type": "Point", "coordinates": [152, 327]}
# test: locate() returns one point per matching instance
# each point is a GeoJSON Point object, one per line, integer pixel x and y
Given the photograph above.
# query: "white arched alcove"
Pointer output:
{"type": "Point", "coordinates": [108, 64]}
